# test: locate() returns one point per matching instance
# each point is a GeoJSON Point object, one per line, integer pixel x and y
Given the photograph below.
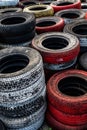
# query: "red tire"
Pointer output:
{"type": "Point", "coordinates": [56, 125]}
{"type": "Point", "coordinates": [56, 47]}
{"type": "Point", "coordinates": [67, 91]}
{"type": "Point", "coordinates": [67, 119]}
{"type": "Point", "coordinates": [68, 4]}
{"type": "Point", "coordinates": [49, 24]}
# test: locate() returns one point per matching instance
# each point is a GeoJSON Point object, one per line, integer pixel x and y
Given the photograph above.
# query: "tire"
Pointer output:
{"type": "Point", "coordinates": [78, 28]}
{"type": "Point", "coordinates": [62, 5]}
{"type": "Point", "coordinates": [84, 6]}
{"type": "Point", "coordinates": [65, 100]}
{"type": "Point", "coordinates": [71, 15]}
{"type": "Point", "coordinates": [18, 39]}
{"type": "Point", "coordinates": [56, 125]}
{"type": "Point", "coordinates": [28, 3]}
{"type": "Point", "coordinates": [17, 83]}
{"type": "Point", "coordinates": [40, 10]}
{"type": "Point", "coordinates": [2, 127]}
{"type": "Point", "coordinates": [53, 53]}
{"type": "Point", "coordinates": [68, 119]}
{"type": "Point", "coordinates": [29, 121]}
{"type": "Point", "coordinates": [10, 10]}
{"type": "Point", "coordinates": [46, 2]}
{"type": "Point", "coordinates": [82, 61]}
{"type": "Point", "coordinates": [49, 24]}
{"type": "Point", "coordinates": [24, 25]}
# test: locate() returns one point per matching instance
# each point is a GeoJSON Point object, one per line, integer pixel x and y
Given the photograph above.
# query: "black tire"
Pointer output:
{"type": "Point", "coordinates": [71, 15]}
{"type": "Point", "coordinates": [79, 29]}
{"type": "Point", "coordinates": [10, 10]}
{"type": "Point", "coordinates": [2, 127]}
{"type": "Point", "coordinates": [16, 24]}
{"type": "Point", "coordinates": [21, 80]}
{"type": "Point", "coordinates": [18, 39]}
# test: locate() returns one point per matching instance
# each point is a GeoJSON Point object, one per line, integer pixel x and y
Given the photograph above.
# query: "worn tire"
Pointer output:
{"type": "Point", "coordinates": [40, 10]}
{"type": "Point", "coordinates": [25, 24]}
{"type": "Point", "coordinates": [54, 53]}
{"type": "Point", "coordinates": [17, 83]}
{"type": "Point", "coordinates": [62, 5]}
{"type": "Point", "coordinates": [49, 24]}
{"type": "Point", "coordinates": [10, 10]}
{"type": "Point", "coordinates": [71, 15]}
{"type": "Point", "coordinates": [78, 28]}
{"type": "Point", "coordinates": [56, 125]}
{"type": "Point", "coordinates": [70, 100]}
{"type": "Point", "coordinates": [68, 119]}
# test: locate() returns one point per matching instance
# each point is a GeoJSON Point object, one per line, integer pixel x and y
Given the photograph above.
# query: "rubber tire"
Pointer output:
{"type": "Point", "coordinates": [57, 56]}
{"type": "Point", "coordinates": [19, 84]}
{"type": "Point", "coordinates": [18, 39]}
{"type": "Point", "coordinates": [45, 10]}
{"type": "Point", "coordinates": [10, 10]}
{"type": "Point", "coordinates": [58, 24]}
{"type": "Point", "coordinates": [17, 29]}
{"type": "Point", "coordinates": [67, 104]}
{"type": "Point", "coordinates": [28, 121]}
{"type": "Point", "coordinates": [56, 125]}
{"type": "Point", "coordinates": [28, 3]}
{"type": "Point", "coordinates": [68, 19]}
{"type": "Point", "coordinates": [82, 37]}
{"type": "Point", "coordinates": [82, 60]}
{"type": "Point", "coordinates": [84, 6]}
{"type": "Point", "coordinates": [57, 5]}
{"type": "Point", "coordinates": [68, 119]}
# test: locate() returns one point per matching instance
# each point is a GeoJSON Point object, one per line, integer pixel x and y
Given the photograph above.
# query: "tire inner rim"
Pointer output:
{"type": "Point", "coordinates": [13, 63]}
{"type": "Point", "coordinates": [70, 15]}
{"type": "Point", "coordinates": [73, 86]}
{"type": "Point", "coordinates": [37, 8]}
{"type": "Point", "coordinates": [55, 43]}
{"type": "Point", "coordinates": [45, 23]}
{"type": "Point", "coordinates": [64, 3]}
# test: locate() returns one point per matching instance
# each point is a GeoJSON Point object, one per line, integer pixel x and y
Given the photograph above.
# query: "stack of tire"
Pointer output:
{"type": "Point", "coordinates": [59, 51]}
{"type": "Point", "coordinates": [67, 100]}
{"type": "Point", "coordinates": [16, 29]}
{"type": "Point", "coordinates": [22, 89]}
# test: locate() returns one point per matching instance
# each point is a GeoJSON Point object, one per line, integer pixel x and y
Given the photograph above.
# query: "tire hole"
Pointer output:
{"type": "Point", "coordinates": [13, 63]}
{"type": "Point", "coordinates": [80, 29]}
{"type": "Point", "coordinates": [38, 8]}
{"type": "Point", "coordinates": [73, 86]}
{"type": "Point", "coordinates": [55, 43]}
{"type": "Point", "coordinates": [13, 20]}
{"type": "Point", "coordinates": [64, 3]}
{"type": "Point", "coordinates": [45, 23]}
{"type": "Point", "coordinates": [70, 15]}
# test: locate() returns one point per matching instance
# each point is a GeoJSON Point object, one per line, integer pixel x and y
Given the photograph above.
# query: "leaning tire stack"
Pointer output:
{"type": "Point", "coordinates": [67, 96]}
{"type": "Point", "coordinates": [22, 91]}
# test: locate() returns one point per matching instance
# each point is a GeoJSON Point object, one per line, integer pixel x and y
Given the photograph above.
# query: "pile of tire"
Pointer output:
{"type": "Point", "coordinates": [22, 89]}
{"type": "Point", "coordinates": [16, 29]}
{"type": "Point", "coordinates": [67, 100]}
{"type": "Point", "coordinates": [59, 51]}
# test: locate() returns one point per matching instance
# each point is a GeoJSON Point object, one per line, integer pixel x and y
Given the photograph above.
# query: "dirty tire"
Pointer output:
{"type": "Point", "coordinates": [68, 4]}
{"type": "Point", "coordinates": [72, 100]}
{"type": "Point", "coordinates": [40, 10]}
{"type": "Point", "coordinates": [56, 125]}
{"type": "Point", "coordinates": [78, 28]}
{"type": "Point", "coordinates": [54, 53]}
{"type": "Point", "coordinates": [49, 24]}
{"type": "Point", "coordinates": [71, 15]}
